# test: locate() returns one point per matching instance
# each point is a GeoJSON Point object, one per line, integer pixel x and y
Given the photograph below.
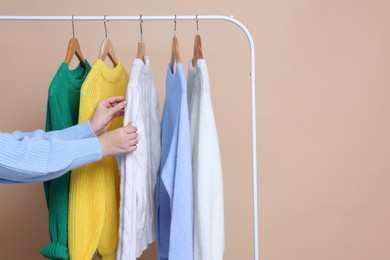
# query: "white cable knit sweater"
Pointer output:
{"type": "Point", "coordinates": [209, 235]}
{"type": "Point", "coordinates": [138, 170]}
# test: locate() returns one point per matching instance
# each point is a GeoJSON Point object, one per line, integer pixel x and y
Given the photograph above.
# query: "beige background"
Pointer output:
{"type": "Point", "coordinates": [323, 89]}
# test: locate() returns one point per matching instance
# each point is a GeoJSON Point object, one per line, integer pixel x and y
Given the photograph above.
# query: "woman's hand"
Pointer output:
{"type": "Point", "coordinates": [119, 141]}
{"type": "Point", "coordinates": [106, 110]}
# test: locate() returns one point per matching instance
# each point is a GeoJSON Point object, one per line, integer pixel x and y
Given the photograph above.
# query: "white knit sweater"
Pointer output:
{"type": "Point", "coordinates": [138, 170]}
{"type": "Point", "coordinates": [209, 235]}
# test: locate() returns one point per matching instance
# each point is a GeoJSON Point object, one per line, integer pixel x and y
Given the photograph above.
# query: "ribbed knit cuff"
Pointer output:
{"type": "Point", "coordinates": [85, 151]}
{"type": "Point", "coordinates": [55, 251]}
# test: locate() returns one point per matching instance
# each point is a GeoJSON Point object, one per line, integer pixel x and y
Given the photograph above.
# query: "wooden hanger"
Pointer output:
{"type": "Point", "coordinates": [141, 52]}
{"type": "Point", "coordinates": [74, 49]}
{"type": "Point", "coordinates": [198, 53]}
{"type": "Point", "coordinates": [107, 49]}
{"type": "Point", "coordinates": [141, 46]}
{"type": "Point", "coordinates": [175, 54]}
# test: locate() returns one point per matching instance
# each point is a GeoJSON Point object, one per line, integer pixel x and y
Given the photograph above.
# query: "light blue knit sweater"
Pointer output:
{"type": "Point", "coordinates": [39, 156]}
{"type": "Point", "coordinates": [174, 185]}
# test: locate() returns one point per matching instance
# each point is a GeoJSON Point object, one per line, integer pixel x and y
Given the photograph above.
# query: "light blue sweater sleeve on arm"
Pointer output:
{"type": "Point", "coordinates": [76, 132]}
{"type": "Point", "coordinates": [39, 156]}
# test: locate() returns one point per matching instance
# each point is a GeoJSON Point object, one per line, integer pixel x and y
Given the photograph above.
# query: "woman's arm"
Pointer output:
{"type": "Point", "coordinates": [76, 132]}
{"type": "Point", "coordinates": [42, 157]}
{"type": "Point", "coordinates": [105, 111]}
{"type": "Point", "coordinates": [32, 159]}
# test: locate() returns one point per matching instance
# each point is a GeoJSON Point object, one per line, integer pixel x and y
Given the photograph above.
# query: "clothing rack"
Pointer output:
{"type": "Point", "coordinates": [175, 18]}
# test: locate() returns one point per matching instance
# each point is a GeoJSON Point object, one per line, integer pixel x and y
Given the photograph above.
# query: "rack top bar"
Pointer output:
{"type": "Point", "coordinates": [114, 18]}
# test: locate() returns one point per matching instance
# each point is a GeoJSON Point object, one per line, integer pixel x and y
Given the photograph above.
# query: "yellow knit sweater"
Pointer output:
{"type": "Point", "coordinates": [94, 188]}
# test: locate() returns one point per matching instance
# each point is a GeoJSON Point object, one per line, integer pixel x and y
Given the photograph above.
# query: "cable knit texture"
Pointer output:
{"type": "Point", "coordinates": [209, 235]}
{"type": "Point", "coordinates": [174, 185]}
{"type": "Point", "coordinates": [138, 170]}
{"type": "Point", "coordinates": [94, 188]}
{"type": "Point", "coordinates": [62, 112]}
{"type": "Point", "coordinates": [39, 156]}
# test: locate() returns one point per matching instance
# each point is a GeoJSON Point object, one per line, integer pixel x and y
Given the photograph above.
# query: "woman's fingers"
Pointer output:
{"type": "Point", "coordinates": [118, 114]}
{"type": "Point", "coordinates": [115, 100]}
{"type": "Point", "coordinates": [130, 128]}
{"type": "Point", "coordinates": [116, 109]}
{"type": "Point", "coordinates": [133, 142]}
{"type": "Point", "coordinates": [132, 148]}
{"type": "Point", "coordinates": [132, 136]}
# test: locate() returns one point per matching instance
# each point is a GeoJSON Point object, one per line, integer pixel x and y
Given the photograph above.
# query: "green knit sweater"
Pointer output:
{"type": "Point", "coordinates": [62, 112]}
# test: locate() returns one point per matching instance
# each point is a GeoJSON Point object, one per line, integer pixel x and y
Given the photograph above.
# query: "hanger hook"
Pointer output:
{"type": "Point", "coordinates": [174, 30]}
{"type": "Point", "coordinates": [73, 25]}
{"type": "Point", "coordinates": [197, 25]}
{"type": "Point", "coordinates": [105, 25]}
{"type": "Point", "coordinates": [140, 25]}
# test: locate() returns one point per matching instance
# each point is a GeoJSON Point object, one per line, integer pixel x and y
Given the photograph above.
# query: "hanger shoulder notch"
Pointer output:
{"type": "Point", "coordinates": [107, 49]}
{"type": "Point", "coordinates": [74, 49]}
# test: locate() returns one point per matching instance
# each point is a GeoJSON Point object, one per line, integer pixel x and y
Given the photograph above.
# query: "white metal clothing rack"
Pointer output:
{"type": "Point", "coordinates": [174, 18]}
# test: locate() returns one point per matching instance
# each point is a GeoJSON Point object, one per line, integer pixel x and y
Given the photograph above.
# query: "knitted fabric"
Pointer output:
{"type": "Point", "coordinates": [39, 156]}
{"type": "Point", "coordinates": [209, 234]}
{"type": "Point", "coordinates": [174, 185]}
{"type": "Point", "coordinates": [94, 188]}
{"type": "Point", "coordinates": [138, 170]}
{"type": "Point", "coordinates": [62, 112]}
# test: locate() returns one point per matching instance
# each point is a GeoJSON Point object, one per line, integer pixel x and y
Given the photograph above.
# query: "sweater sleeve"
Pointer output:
{"type": "Point", "coordinates": [40, 156]}
{"type": "Point", "coordinates": [76, 132]}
